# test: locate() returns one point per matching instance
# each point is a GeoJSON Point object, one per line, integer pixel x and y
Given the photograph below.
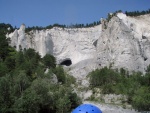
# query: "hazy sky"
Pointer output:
{"type": "Point", "coordinates": [46, 12]}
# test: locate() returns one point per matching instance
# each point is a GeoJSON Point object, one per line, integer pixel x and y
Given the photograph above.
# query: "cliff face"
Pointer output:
{"type": "Point", "coordinates": [122, 42]}
{"type": "Point", "coordinates": [125, 43]}
{"type": "Point", "coordinates": [73, 44]}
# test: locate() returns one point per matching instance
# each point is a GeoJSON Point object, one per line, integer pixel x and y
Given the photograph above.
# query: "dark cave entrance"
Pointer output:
{"type": "Point", "coordinates": [66, 62]}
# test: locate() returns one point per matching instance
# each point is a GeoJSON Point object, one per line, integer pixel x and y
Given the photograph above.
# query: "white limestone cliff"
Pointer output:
{"type": "Point", "coordinates": [75, 44]}
{"type": "Point", "coordinates": [123, 42]}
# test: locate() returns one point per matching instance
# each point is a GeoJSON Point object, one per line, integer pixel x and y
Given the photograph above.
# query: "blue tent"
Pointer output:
{"type": "Point", "coordinates": [87, 108]}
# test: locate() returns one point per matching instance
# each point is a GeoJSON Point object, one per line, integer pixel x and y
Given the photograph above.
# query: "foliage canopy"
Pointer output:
{"type": "Point", "coordinates": [135, 86]}
{"type": "Point", "coordinates": [25, 87]}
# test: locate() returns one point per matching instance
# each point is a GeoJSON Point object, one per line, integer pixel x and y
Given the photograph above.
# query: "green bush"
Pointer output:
{"type": "Point", "coordinates": [141, 99]}
{"type": "Point", "coordinates": [49, 61]}
{"type": "Point", "coordinates": [135, 86]}
{"type": "Point", "coordinates": [103, 76]}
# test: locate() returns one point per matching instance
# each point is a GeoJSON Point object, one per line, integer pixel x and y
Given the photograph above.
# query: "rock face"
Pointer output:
{"type": "Point", "coordinates": [123, 42]}
{"type": "Point", "coordinates": [74, 45]}
{"type": "Point", "coordinates": [65, 44]}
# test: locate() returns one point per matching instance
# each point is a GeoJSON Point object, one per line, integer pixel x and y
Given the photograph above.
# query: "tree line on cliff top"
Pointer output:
{"type": "Point", "coordinates": [95, 23]}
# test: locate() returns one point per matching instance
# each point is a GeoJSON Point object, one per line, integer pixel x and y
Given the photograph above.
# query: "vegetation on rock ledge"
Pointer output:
{"type": "Point", "coordinates": [135, 86]}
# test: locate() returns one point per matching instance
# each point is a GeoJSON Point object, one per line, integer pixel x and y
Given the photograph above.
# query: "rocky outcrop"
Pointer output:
{"type": "Point", "coordinates": [123, 42]}
{"type": "Point", "coordinates": [75, 44]}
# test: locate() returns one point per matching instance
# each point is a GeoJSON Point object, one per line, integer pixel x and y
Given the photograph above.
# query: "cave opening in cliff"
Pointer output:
{"type": "Point", "coordinates": [66, 62]}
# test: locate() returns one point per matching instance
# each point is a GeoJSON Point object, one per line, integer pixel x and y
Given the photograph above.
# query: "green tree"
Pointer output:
{"type": "Point", "coordinates": [62, 99]}
{"type": "Point", "coordinates": [37, 97]}
{"type": "Point", "coordinates": [49, 61]}
{"type": "Point", "coordinates": [21, 83]}
{"type": "Point", "coordinates": [3, 47]}
{"type": "Point", "coordinates": [141, 99]}
{"type": "Point", "coordinates": [61, 76]}
{"type": "Point", "coordinates": [6, 97]}
{"type": "Point", "coordinates": [29, 53]}
{"type": "Point", "coordinates": [3, 69]}
{"type": "Point", "coordinates": [10, 63]}
{"type": "Point", "coordinates": [19, 59]}
{"type": "Point", "coordinates": [4, 42]}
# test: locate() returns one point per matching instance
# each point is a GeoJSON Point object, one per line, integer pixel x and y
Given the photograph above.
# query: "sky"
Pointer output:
{"type": "Point", "coordinates": [48, 12]}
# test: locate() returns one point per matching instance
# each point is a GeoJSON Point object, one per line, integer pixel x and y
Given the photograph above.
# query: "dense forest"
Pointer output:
{"type": "Point", "coordinates": [31, 84]}
{"type": "Point", "coordinates": [135, 86]}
